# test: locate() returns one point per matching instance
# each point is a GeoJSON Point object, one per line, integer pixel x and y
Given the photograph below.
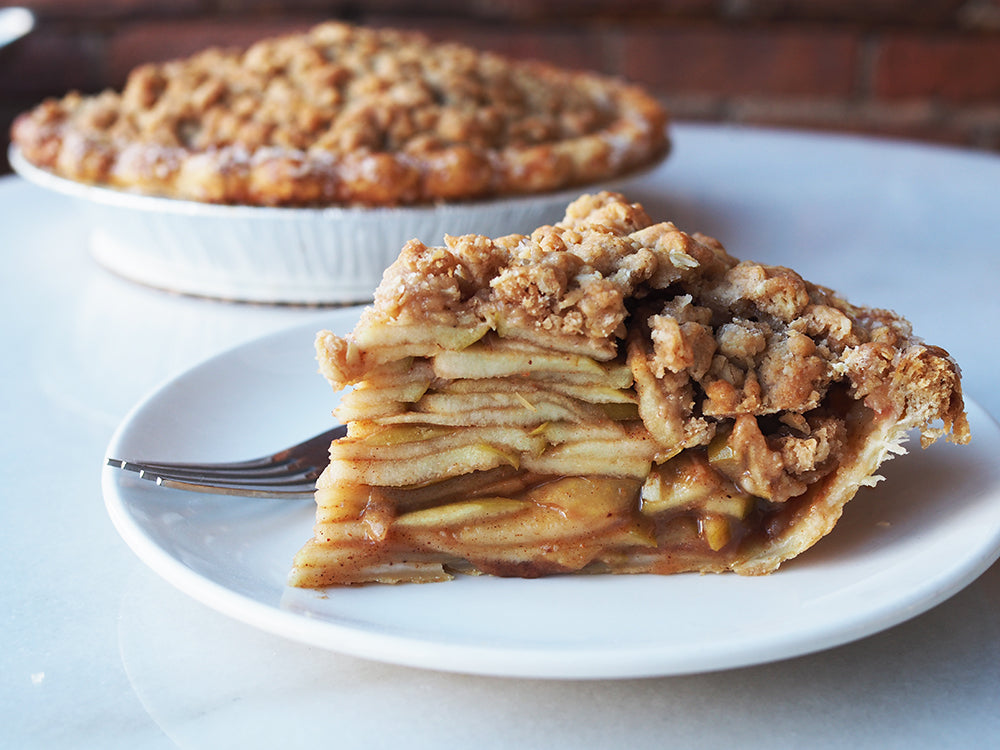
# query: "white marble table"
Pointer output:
{"type": "Point", "coordinates": [98, 651]}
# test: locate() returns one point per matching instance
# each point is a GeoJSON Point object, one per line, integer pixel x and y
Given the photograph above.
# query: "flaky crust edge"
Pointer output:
{"type": "Point", "coordinates": [924, 394]}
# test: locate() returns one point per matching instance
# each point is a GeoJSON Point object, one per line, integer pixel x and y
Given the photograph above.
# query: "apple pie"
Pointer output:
{"type": "Point", "coordinates": [607, 395]}
{"type": "Point", "coordinates": [346, 115]}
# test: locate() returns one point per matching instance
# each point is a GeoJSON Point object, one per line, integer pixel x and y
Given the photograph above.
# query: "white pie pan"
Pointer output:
{"type": "Point", "coordinates": [275, 255]}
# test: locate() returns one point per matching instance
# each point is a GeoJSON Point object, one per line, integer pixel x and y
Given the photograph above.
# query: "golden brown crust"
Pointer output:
{"type": "Point", "coordinates": [746, 404]}
{"type": "Point", "coordinates": [342, 115]}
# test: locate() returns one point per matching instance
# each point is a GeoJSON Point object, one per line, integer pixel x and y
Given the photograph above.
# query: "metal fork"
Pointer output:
{"type": "Point", "coordinates": [289, 473]}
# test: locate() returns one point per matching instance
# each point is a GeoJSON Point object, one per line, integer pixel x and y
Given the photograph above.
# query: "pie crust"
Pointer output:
{"type": "Point", "coordinates": [607, 394]}
{"type": "Point", "coordinates": [345, 115]}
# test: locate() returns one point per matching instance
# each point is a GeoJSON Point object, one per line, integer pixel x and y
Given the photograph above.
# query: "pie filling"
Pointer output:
{"type": "Point", "coordinates": [606, 395]}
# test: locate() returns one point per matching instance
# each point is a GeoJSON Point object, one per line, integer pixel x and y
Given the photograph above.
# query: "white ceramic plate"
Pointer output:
{"type": "Point", "coordinates": [900, 549]}
{"type": "Point", "coordinates": [330, 255]}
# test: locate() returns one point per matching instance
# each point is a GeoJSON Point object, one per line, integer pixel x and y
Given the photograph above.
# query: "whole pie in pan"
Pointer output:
{"type": "Point", "coordinates": [346, 115]}
{"type": "Point", "coordinates": [607, 395]}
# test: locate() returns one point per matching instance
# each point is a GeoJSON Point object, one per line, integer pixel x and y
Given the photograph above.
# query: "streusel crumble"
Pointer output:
{"type": "Point", "coordinates": [343, 115]}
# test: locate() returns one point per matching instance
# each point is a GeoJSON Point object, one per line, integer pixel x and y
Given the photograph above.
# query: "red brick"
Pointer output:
{"type": "Point", "coordinates": [573, 12]}
{"type": "Point", "coordinates": [862, 12]}
{"type": "Point", "coordinates": [581, 50]}
{"type": "Point", "coordinates": [89, 11]}
{"type": "Point", "coordinates": [953, 68]}
{"type": "Point", "coordinates": [751, 61]}
{"type": "Point", "coordinates": [163, 41]}
{"type": "Point", "coordinates": [327, 9]}
{"type": "Point", "coordinates": [563, 12]}
{"type": "Point", "coordinates": [48, 62]}
{"type": "Point", "coordinates": [342, 8]}
{"type": "Point", "coordinates": [980, 14]}
{"type": "Point", "coordinates": [138, 43]}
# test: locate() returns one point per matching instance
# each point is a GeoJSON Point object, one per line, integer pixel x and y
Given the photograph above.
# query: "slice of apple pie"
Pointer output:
{"type": "Point", "coordinates": [607, 395]}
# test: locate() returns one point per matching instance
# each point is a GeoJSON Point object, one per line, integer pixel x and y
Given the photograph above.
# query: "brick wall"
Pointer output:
{"type": "Point", "coordinates": [919, 69]}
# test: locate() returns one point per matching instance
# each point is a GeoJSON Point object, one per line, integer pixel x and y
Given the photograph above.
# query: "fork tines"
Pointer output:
{"type": "Point", "coordinates": [289, 473]}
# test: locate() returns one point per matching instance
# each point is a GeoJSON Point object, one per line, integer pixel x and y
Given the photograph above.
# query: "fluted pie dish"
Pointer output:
{"type": "Point", "coordinates": [269, 254]}
{"type": "Point", "coordinates": [335, 125]}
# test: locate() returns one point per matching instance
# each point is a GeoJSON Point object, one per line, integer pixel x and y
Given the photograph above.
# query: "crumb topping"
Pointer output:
{"type": "Point", "coordinates": [345, 114]}
{"type": "Point", "coordinates": [712, 337]}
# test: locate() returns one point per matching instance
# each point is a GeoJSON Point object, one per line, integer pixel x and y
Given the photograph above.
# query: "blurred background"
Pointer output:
{"type": "Point", "coordinates": [926, 70]}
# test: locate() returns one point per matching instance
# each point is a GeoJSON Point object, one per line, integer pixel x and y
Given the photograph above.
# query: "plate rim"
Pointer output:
{"type": "Point", "coordinates": [536, 662]}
